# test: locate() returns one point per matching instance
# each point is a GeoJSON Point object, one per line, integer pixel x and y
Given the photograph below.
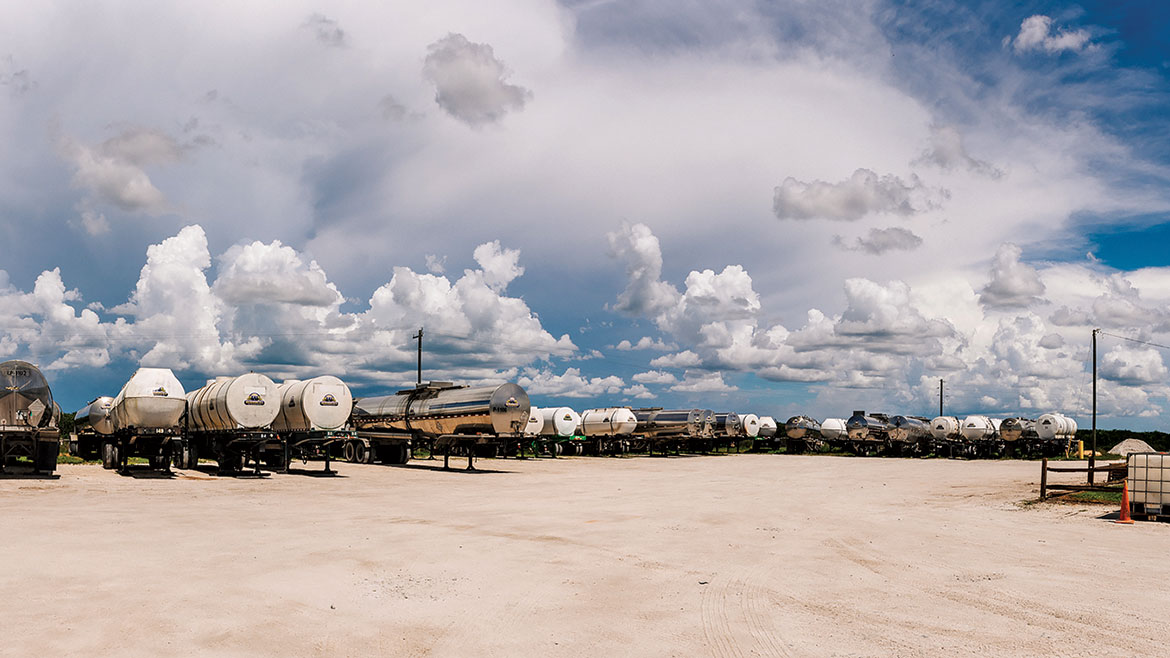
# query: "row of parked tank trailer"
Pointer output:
{"type": "Point", "coordinates": [249, 421]}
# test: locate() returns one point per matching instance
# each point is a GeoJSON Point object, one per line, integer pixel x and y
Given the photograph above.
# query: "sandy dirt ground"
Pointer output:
{"type": "Point", "coordinates": [739, 555]}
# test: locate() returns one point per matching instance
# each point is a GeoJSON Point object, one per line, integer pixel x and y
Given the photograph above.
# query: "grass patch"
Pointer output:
{"type": "Point", "coordinates": [1095, 497]}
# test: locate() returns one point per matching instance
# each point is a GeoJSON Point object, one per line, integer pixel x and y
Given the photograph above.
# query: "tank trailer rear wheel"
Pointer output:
{"type": "Point", "coordinates": [109, 457]}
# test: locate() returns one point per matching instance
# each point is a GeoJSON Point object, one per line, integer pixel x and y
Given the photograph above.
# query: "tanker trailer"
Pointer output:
{"type": "Point", "coordinates": [751, 429]}
{"type": "Point", "coordinates": [947, 435]}
{"type": "Point", "coordinates": [455, 419]}
{"type": "Point", "coordinates": [803, 434]}
{"type": "Point", "coordinates": [535, 422]}
{"type": "Point", "coordinates": [608, 430]}
{"type": "Point", "coordinates": [28, 424]}
{"type": "Point", "coordinates": [90, 424]}
{"type": "Point", "coordinates": [312, 420]}
{"type": "Point", "coordinates": [766, 440]}
{"type": "Point", "coordinates": [561, 424]}
{"type": "Point", "coordinates": [982, 436]}
{"type": "Point", "coordinates": [146, 416]}
{"type": "Point", "coordinates": [1056, 433]}
{"type": "Point", "coordinates": [834, 433]}
{"type": "Point", "coordinates": [910, 435]}
{"type": "Point", "coordinates": [728, 429]}
{"type": "Point", "coordinates": [667, 429]}
{"type": "Point", "coordinates": [1019, 435]}
{"type": "Point", "coordinates": [868, 433]}
{"type": "Point", "coordinates": [230, 419]}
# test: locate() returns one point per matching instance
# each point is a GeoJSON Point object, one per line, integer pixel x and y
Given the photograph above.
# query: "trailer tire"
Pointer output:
{"type": "Point", "coordinates": [349, 451]}
{"type": "Point", "coordinates": [359, 452]}
{"type": "Point", "coordinates": [109, 456]}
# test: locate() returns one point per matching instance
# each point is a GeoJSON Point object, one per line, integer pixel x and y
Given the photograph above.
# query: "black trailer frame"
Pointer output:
{"type": "Point", "coordinates": [40, 445]}
{"type": "Point", "coordinates": [157, 445]}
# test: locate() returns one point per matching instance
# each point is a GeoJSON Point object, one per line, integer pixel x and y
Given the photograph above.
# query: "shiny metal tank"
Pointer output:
{"type": "Point", "coordinates": [320, 403]}
{"type": "Point", "coordinates": [441, 408]}
{"type": "Point", "coordinates": [248, 401]}
{"type": "Point", "coordinates": [535, 422]}
{"type": "Point", "coordinates": [751, 425]}
{"type": "Point", "coordinates": [1014, 429]}
{"type": "Point", "coordinates": [867, 427]}
{"type": "Point", "coordinates": [25, 398]}
{"type": "Point", "coordinates": [610, 421]}
{"type": "Point", "coordinates": [657, 422]}
{"type": "Point", "coordinates": [978, 428]}
{"type": "Point", "coordinates": [152, 398]}
{"type": "Point", "coordinates": [945, 428]}
{"type": "Point", "coordinates": [728, 424]}
{"type": "Point", "coordinates": [833, 429]}
{"type": "Point", "coordinates": [559, 421]}
{"type": "Point", "coordinates": [801, 427]}
{"type": "Point", "coordinates": [96, 416]}
{"type": "Point", "coordinates": [908, 429]}
{"type": "Point", "coordinates": [767, 427]}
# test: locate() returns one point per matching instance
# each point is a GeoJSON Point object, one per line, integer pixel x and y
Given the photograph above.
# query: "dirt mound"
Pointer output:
{"type": "Point", "coordinates": [1130, 445]}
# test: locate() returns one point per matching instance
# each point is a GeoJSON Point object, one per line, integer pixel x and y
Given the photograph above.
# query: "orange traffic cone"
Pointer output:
{"type": "Point", "coordinates": [1124, 516]}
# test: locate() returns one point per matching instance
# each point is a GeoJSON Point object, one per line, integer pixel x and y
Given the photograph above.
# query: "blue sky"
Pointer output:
{"type": "Point", "coordinates": [767, 207]}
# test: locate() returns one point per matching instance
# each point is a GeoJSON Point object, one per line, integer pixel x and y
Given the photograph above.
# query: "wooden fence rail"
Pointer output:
{"type": "Point", "coordinates": [1116, 472]}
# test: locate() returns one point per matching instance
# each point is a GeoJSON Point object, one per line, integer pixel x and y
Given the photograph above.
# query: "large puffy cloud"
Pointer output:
{"type": "Point", "coordinates": [571, 383]}
{"type": "Point", "coordinates": [470, 82]}
{"type": "Point", "coordinates": [862, 193]}
{"type": "Point", "coordinates": [1013, 284]}
{"type": "Point", "coordinates": [270, 309]}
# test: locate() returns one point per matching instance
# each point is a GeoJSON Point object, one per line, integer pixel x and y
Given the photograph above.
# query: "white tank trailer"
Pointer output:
{"type": "Point", "coordinates": [28, 418]}
{"type": "Point", "coordinates": [767, 427]}
{"type": "Point", "coordinates": [312, 421]}
{"type": "Point", "coordinates": [1055, 434]}
{"type": "Point", "coordinates": [1056, 427]}
{"type": "Point", "coordinates": [608, 430]}
{"type": "Point", "coordinates": [559, 422]}
{"type": "Point", "coordinates": [751, 425]}
{"type": "Point", "coordinates": [230, 419]}
{"type": "Point", "coordinates": [146, 416]}
{"type": "Point", "coordinates": [945, 428]}
{"type": "Point", "coordinates": [610, 421]}
{"type": "Point", "coordinates": [90, 424]}
{"type": "Point", "coordinates": [833, 429]}
{"type": "Point", "coordinates": [981, 436]}
{"type": "Point", "coordinates": [447, 417]}
{"type": "Point", "coordinates": [535, 422]}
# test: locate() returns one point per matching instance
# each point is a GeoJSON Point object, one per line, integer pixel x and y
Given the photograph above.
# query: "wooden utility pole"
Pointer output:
{"type": "Point", "coordinates": [1093, 447]}
{"type": "Point", "coordinates": [940, 396]}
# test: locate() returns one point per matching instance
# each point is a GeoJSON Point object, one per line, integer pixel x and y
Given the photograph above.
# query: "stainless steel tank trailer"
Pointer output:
{"type": "Point", "coordinates": [449, 419]}
{"type": "Point", "coordinates": [672, 430]}
{"type": "Point", "coordinates": [143, 420]}
{"type": "Point", "coordinates": [28, 418]}
{"type": "Point", "coordinates": [868, 434]}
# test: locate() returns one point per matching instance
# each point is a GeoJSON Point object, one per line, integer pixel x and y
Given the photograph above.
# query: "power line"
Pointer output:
{"type": "Point", "coordinates": [1134, 340]}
